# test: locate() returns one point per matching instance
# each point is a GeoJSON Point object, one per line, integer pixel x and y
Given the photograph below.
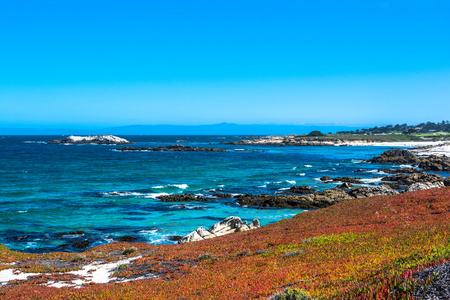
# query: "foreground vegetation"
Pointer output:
{"type": "Point", "coordinates": [357, 249]}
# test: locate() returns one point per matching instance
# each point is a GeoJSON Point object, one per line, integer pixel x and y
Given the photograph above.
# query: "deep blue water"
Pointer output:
{"type": "Point", "coordinates": [50, 189]}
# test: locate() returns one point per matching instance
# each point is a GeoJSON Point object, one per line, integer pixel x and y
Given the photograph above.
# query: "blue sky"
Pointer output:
{"type": "Point", "coordinates": [110, 63]}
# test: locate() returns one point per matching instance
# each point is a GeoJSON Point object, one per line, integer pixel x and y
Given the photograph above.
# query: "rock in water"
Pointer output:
{"type": "Point", "coordinates": [92, 139]}
{"type": "Point", "coordinates": [229, 225]}
{"type": "Point", "coordinates": [398, 156]}
{"type": "Point", "coordinates": [435, 163]}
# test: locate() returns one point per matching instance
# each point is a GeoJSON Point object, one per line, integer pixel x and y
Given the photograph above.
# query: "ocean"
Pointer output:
{"type": "Point", "coordinates": [49, 191]}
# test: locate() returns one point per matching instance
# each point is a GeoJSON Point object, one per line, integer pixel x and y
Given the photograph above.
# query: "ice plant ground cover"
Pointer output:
{"type": "Point", "coordinates": [357, 249]}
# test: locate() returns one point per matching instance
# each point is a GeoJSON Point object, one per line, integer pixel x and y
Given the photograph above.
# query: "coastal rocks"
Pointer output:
{"type": "Point", "coordinates": [447, 181]}
{"type": "Point", "coordinates": [418, 186]}
{"type": "Point", "coordinates": [301, 189]}
{"type": "Point", "coordinates": [172, 148]}
{"type": "Point", "coordinates": [435, 163]}
{"type": "Point", "coordinates": [364, 192]}
{"type": "Point", "coordinates": [397, 156]}
{"type": "Point", "coordinates": [399, 171]}
{"type": "Point", "coordinates": [315, 200]}
{"type": "Point", "coordinates": [92, 139]}
{"type": "Point", "coordinates": [404, 179]}
{"type": "Point", "coordinates": [183, 198]}
{"type": "Point", "coordinates": [227, 226]}
{"type": "Point", "coordinates": [356, 180]}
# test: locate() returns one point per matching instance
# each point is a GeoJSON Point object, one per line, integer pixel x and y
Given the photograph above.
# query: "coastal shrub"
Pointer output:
{"type": "Point", "coordinates": [129, 251]}
{"type": "Point", "coordinates": [316, 133]}
{"type": "Point", "coordinates": [291, 294]}
{"type": "Point", "coordinates": [78, 258]}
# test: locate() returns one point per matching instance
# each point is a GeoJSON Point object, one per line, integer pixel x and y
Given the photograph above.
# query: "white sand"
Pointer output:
{"type": "Point", "coordinates": [439, 148]}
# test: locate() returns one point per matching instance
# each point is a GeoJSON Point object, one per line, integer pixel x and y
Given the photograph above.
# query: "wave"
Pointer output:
{"type": "Point", "coordinates": [357, 161]}
{"type": "Point", "coordinates": [308, 166]}
{"type": "Point", "coordinates": [136, 194]}
{"type": "Point", "coordinates": [371, 180]}
{"type": "Point", "coordinates": [180, 186]}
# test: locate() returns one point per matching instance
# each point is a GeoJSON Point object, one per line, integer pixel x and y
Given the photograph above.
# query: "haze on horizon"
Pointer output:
{"type": "Point", "coordinates": [86, 64]}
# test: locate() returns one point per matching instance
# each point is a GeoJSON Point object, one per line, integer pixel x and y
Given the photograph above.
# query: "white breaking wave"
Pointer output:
{"type": "Point", "coordinates": [308, 166]}
{"type": "Point", "coordinates": [180, 186]}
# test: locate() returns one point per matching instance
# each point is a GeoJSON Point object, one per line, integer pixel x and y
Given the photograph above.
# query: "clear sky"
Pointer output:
{"type": "Point", "coordinates": [111, 63]}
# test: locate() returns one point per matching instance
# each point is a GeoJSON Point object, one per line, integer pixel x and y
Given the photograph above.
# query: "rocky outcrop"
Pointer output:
{"type": "Point", "coordinates": [356, 180]}
{"type": "Point", "coordinates": [183, 198]}
{"type": "Point", "coordinates": [92, 139]}
{"type": "Point", "coordinates": [227, 226]}
{"type": "Point", "coordinates": [301, 189]}
{"type": "Point", "coordinates": [316, 200]}
{"type": "Point", "coordinates": [397, 156]}
{"type": "Point", "coordinates": [399, 171]}
{"type": "Point", "coordinates": [418, 186]}
{"type": "Point", "coordinates": [364, 192]}
{"type": "Point", "coordinates": [404, 179]}
{"type": "Point", "coordinates": [172, 148]}
{"type": "Point", "coordinates": [447, 181]}
{"type": "Point", "coordinates": [435, 163]}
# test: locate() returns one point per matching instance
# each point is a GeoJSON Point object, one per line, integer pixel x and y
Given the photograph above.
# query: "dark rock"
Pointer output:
{"type": "Point", "coordinates": [346, 185]}
{"type": "Point", "coordinates": [223, 196]}
{"type": "Point", "coordinates": [173, 148]}
{"type": "Point", "coordinates": [315, 200]}
{"type": "Point", "coordinates": [81, 244]}
{"type": "Point", "coordinates": [356, 180]}
{"type": "Point", "coordinates": [413, 178]}
{"type": "Point", "coordinates": [63, 246]}
{"type": "Point", "coordinates": [393, 185]}
{"type": "Point", "coordinates": [127, 239]}
{"type": "Point", "coordinates": [75, 232]}
{"type": "Point", "coordinates": [360, 171]}
{"type": "Point", "coordinates": [398, 156]}
{"type": "Point", "coordinates": [183, 198]}
{"type": "Point", "coordinates": [18, 238]}
{"type": "Point", "coordinates": [435, 163]}
{"type": "Point", "coordinates": [301, 189]}
{"type": "Point", "coordinates": [447, 181]}
{"type": "Point", "coordinates": [399, 171]}
{"type": "Point", "coordinates": [175, 238]}
{"type": "Point", "coordinates": [364, 191]}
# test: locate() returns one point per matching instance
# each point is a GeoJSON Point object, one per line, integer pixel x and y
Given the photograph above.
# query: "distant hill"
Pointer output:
{"type": "Point", "coordinates": [214, 129]}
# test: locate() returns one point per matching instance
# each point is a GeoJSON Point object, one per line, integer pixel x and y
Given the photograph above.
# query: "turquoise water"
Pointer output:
{"type": "Point", "coordinates": [50, 189]}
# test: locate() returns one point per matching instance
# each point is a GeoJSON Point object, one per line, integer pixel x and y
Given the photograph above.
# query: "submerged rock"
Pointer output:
{"type": "Point", "coordinates": [397, 156]}
{"type": "Point", "coordinates": [356, 180]}
{"type": "Point", "coordinates": [227, 226]}
{"type": "Point", "coordinates": [92, 139]}
{"type": "Point", "coordinates": [183, 198]}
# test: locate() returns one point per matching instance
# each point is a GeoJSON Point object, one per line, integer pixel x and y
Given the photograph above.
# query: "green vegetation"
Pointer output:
{"type": "Point", "coordinates": [427, 127]}
{"type": "Point", "coordinates": [316, 133]}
